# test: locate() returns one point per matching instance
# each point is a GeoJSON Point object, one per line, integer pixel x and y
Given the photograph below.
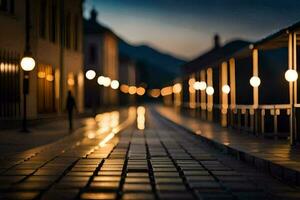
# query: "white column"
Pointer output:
{"type": "Point", "coordinates": [210, 98]}
{"type": "Point", "coordinates": [192, 92]}
{"type": "Point", "coordinates": [232, 83]}
{"type": "Point", "coordinates": [202, 92]}
{"type": "Point", "coordinates": [292, 64]}
{"type": "Point", "coordinates": [255, 73]}
{"type": "Point", "coordinates": [224, 96]}
{"type": "Point", "coordinates": [210, 83]}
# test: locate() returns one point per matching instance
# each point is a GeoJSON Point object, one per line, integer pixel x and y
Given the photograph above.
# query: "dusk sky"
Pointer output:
{"type": "Point", "coordinates": [185, 28]}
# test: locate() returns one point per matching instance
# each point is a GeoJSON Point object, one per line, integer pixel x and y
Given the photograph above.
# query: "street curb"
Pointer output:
{"type": "Point", "coordinates": [278, 171]}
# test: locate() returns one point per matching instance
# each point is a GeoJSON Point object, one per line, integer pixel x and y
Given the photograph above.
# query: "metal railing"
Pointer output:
{"type": "Point", "coordinates": [265, 120]}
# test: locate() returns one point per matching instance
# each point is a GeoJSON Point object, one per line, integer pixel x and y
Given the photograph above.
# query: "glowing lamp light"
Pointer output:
{"type": "Point", "coordinates": [101, 80]}
{"type": "Point", "coordinates": [132, 90]}
{"type": "Point", "coordinates": [90, 74]}
{"type": "Point", "coordinates": [106, 82]}
{"type": "Point", "coordinates": [124, 88]}
{"type": "Point", "coordinates": [140, 91]}
{"type": "Point", "coordinates": [210, 90]}
{"type": "Point", "coordinates": [192, 81]}
{"type": "Point", "coordinates": [255, 81]}
{"type": "Point", "coordinates": [155, 93]}
{"type": "Point", "coordinates": [226, 89]}
{"type": "Point", "coordinates": [177, 88]}
{"type": "Point", "coordinates": [41, 74]}
{"type": "Point", "coordinates": [166, 91]}
{"type": "Point", "coordinates": [192, 90]}
{"type": "Point", "coordinates": [114, 84]}
{"type": "Point", "coordinates": [202, 85]}
{"type": "Point", "coordinates": [291, 75]}
{"type": "Point", "coordinates": [71, 82]}
{"type": "Point", "coordinates": [50, 78]}
{"type": "Point", "coordinates": [199, 85]}
{"type": "Point", "coordinates": [196, 85]}
{"type": "Point", "coordinates": [27, 64]}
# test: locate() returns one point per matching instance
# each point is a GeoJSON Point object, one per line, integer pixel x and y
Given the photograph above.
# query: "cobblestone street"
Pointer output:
{"type": "Point", "coordinates": [149, 100]}
{"type": "Point", "coordinates": [142, 156]}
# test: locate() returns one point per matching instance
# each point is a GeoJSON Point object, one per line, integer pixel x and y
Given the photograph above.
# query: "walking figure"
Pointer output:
{"type": "Point", "coordinates": [71, 105]}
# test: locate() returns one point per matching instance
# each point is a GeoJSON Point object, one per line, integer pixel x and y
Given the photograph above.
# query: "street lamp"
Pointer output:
{"type": "Point", "coordinates": [132, 90]}
{"type": "Point", "coordinates": [106, 82]}
{"type": "Point", "coordinates": [210, 90]}
{"type": "Point", "coordinates": [199, 85]}
{"type": "Point", "coordinates": [291, 75]}
{"type": "Point", "coordinates": [27, 64]}
{"type": "Point", "coordinates": [140, 91]}
{"type": "Point", "coordinates": [101, 80]}
{"type": "Point", "coordinates": [255, 81]}
{"type": "Point", "coordinates": [114, 84]}
{"type": "Point", "coordinates": [202, 85]}
{"type": "Point", "coordinates": [226, 89]}
{"type": "Point", "coordinates": [177, 88]}
{"type": "Point", "coordinates": [90, 74]}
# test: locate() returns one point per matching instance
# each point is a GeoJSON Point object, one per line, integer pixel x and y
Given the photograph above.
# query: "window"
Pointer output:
{"type": "Point", "coordinates": [92, 54]}
{"type": "Point", "coordinates": [45, 89]}
{"type": "Point", "coordinates": [43, 17]}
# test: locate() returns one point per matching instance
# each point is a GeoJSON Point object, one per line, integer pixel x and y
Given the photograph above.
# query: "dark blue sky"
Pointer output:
{"type": "Point", "coordinates": [185, 27]}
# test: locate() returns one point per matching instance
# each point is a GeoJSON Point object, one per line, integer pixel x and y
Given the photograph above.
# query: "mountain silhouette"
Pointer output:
{"type": "Point", "coordinates": [156, 68]}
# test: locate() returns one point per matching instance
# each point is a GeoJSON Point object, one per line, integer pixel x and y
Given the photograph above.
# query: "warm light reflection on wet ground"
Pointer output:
{"type": "Point", "coordinates": [140, 120]}
{"type": "Point", "coordinates": [106, 125]}
{"type": "Point", "coordinates": [111, 159]}
{"type": "Point", "coordinates": [103, 123]}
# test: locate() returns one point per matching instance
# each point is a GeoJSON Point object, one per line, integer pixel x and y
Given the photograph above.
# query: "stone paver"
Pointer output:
{"type": "Point", "coordinates": [159, 162]}
{"type": "Point", "coordinates": [274, 156]}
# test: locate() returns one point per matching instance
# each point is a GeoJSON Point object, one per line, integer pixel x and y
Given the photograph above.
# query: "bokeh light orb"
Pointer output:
{"type": "Point", "coordinates": [27, 64]}
{"type": "Point", "coordinates": [196, 85]}
{"type": "Point", "coordinates": [101, 80]}
{"type": "Point", "coordinates": [200, 85]}
{"type": "Point", "coordinates": [177, 88]}
{"type": "Point", "coordinates": [291, 75]}
{"type": "Point", "coordinates": [255, 81]}
{"type": "Point", "coordinates": [90, 74]}
{"type": "Point", "coordinates": [132, 90]}
{"type": "Point", "coordinates": [226, 89]}
{"type": "Point", "coordinates": [114, 84]}
{"type": "Point", "coordinates": [140, 91]}
{"type": "Point", "coordinates": [210, 90]}
{"type": "Point", "coordinates": [106, 82]}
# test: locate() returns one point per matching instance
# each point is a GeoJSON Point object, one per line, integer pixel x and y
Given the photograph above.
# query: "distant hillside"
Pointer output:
{"type": "Point", "coordinates": [157, 68]}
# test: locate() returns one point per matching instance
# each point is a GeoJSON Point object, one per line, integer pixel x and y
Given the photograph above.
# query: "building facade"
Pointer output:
{"type": "Point", "coordinates": [102, 56]}
{"type": "Point", "coordinates": [56, 45]}
{"type": "Point", "coordinates": [248, 86]}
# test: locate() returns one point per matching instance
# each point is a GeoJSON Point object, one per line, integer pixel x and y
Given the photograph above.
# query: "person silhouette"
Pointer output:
{"type": "Point", "coordinates": [71, 105]}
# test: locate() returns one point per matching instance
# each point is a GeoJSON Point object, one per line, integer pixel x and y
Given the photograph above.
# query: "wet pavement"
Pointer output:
{"type": "Point", "coordinates": [140, 157]}
{"type": "Point", "coordinates": [13, 140]}
{"type": "Point", "coordinates": [274, 156]}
